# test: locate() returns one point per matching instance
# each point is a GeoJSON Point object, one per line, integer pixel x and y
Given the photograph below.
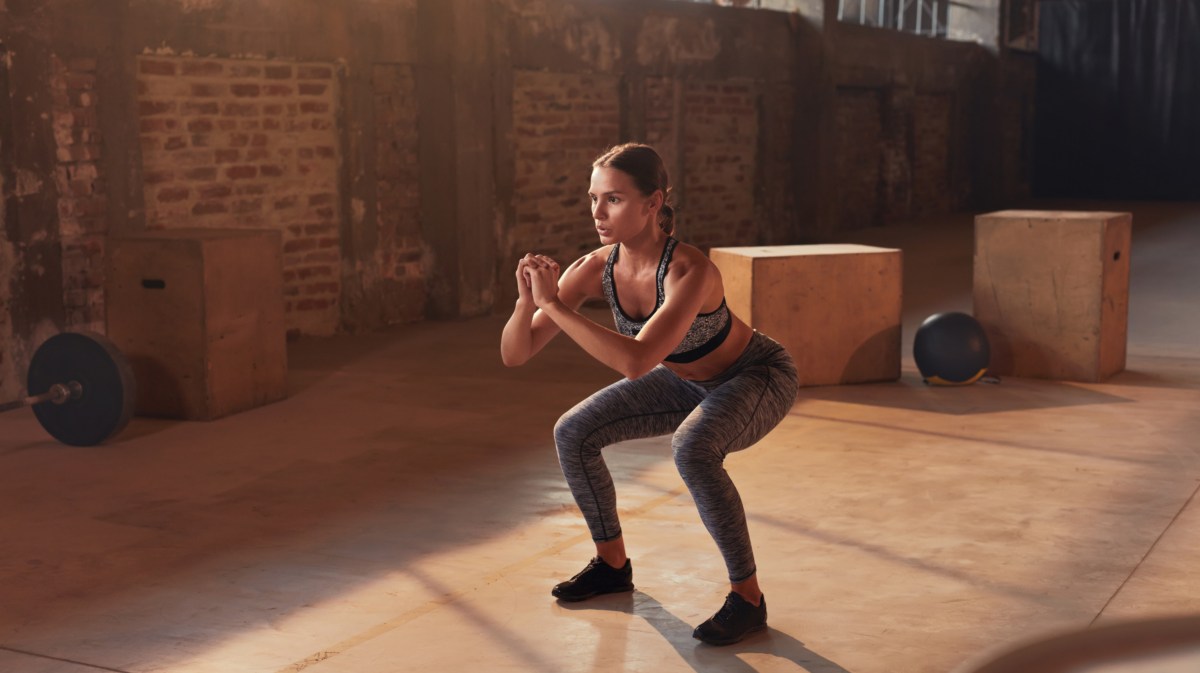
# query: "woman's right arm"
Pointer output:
{"type": "Point", "coordinates": [529, 329]}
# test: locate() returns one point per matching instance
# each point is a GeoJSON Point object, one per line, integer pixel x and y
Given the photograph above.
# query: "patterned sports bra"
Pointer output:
{"type": "Point", "coordinates": [707, 332]}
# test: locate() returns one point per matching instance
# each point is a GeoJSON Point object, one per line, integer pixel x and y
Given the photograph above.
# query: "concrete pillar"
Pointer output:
{"type": "Point", "coordinates": [454, 91]}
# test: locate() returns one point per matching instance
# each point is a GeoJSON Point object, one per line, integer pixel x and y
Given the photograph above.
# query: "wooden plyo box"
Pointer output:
{"type": "Point", "coordinates": [199, 315]}
{"type": "Point", "coordinates": [1052, 292]}
{"type": "Point", "coordinates": [835, 307]}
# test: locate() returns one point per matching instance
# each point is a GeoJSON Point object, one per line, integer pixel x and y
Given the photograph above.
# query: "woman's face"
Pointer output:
{"type": "Point", "coordinates": [619, 210]}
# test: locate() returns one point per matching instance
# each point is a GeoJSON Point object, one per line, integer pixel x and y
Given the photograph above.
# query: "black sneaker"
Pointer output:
{"type": "Point", "coordinates": [597, 578]}
{"type": "Point", "coordinates": [733, 621]}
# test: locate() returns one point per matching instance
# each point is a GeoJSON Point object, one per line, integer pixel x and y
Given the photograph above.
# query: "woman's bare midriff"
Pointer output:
{"type": "Point", "coordinates": [719, 360]}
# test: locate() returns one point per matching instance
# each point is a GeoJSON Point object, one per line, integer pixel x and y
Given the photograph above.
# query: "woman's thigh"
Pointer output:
{"type": "Point", "coordinates": [649, 406]}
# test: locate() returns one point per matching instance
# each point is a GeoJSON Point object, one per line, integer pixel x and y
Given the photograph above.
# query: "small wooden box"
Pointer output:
{"type": "Point", "coordinates": [1052, 291]}
{"type": "Point", "coordinates": [199, 314]}
{"type": "Point", "coordinates": [836, 308]}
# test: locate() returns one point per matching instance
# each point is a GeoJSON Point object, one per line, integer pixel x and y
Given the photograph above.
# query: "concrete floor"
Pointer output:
{"type": "Point", "coordinates": [403, 510]}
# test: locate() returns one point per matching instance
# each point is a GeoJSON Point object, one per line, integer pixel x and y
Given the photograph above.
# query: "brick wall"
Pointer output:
{"type": "Point", "coordinates": [561, 122]}
{"type": "Point", "coordinates": [9, 385]}
{"type": "Point", "coordinates": [82, 203]}
{"type": "Point", "coordinates": [776, 208]}
{"type": "Point", "coordinates": [400, 252]}
{"type": "Point", "coordinates": [858, 159]}
{"type": "Point", "coordinates": [931, 155]}
{"type": "Point", "coordinates": [249, 144]}
{"type": "Point", "coordinates": [663, 98]}
{"type": "Point", "coordinates": [720, 128]}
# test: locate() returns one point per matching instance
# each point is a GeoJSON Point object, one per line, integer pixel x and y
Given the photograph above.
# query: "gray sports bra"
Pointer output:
{"type": "Point", "coordinates": [707, 332]}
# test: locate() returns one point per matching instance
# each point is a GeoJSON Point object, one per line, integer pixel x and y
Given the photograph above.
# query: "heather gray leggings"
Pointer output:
{"type": "Point", "coordinates": [710, 419]}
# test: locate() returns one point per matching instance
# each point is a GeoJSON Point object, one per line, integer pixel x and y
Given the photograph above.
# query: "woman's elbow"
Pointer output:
{"type": "Point", "coordinates": [637, 368]}
{"type": "Point", "coordinates": [511, 360]}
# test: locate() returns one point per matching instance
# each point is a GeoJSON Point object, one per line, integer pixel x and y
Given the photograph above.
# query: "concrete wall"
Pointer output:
{"type": "Point", "coordinates": [409, 151]}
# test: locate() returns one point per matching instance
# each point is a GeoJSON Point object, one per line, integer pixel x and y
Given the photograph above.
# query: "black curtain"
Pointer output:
{"type": "Point", "coordinates": [1118, 99]}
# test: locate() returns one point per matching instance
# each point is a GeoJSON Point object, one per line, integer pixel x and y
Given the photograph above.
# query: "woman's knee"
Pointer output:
{"type": "Point", "coordinates": [695, 461]}
{"type": "Point", "coordinates": [571, 431]}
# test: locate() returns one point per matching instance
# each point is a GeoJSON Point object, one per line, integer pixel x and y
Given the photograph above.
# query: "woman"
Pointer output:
{"type": "Point", "coordinates": [691, 368]}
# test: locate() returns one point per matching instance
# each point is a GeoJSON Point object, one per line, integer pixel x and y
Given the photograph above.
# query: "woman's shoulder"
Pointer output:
{"type": "Point", "coordinates": [688, 256]}
{"type": "Point", "coordinates": [593, 261]}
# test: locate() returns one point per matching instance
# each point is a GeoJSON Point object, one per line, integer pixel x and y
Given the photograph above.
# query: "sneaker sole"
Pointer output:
{"type": "Point", "coordinates": [576, 599]}
{"type": "Point", "coordinates": [739, 639]}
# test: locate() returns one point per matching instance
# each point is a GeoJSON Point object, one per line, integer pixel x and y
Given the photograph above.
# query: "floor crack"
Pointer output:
{"type": "Point", "coordinates": [1145, 556]}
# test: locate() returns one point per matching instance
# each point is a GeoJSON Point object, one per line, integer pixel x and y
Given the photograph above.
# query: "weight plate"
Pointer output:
{"type": "Point", "coordinates": [107, 402]}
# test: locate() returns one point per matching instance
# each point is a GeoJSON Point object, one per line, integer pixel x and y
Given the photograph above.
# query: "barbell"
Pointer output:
{"type": "Point", "coordinates": [81, 388]}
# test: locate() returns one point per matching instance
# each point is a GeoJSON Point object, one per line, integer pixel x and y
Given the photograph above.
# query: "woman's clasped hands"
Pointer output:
{"type": "Point", "coordinates": [537, 279]}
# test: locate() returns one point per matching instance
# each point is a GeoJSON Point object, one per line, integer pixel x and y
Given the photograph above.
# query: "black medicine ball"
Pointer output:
{"type": "Point", "coordinates": [951, 349]}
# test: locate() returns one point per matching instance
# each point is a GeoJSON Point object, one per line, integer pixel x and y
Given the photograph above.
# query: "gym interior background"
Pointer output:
{"type": "Point", "coordinates": [407, 152]}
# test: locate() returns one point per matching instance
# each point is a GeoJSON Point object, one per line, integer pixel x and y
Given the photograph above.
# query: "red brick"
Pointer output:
{"type": "Point", "coordinates": [278, 72]}
{"type": "Point", "coordinates": [199, 108]}
{"type": "Point", "coordinates": [314, 72]}
{"type": "Point", "coordinates": [240, 110]}
{"type": "Point", "coordinates": [200, 125]}
{"type": "Point", "coordinates": [152, 67]}
{"type": "Point", "coordinates": [149, 108]}
{"type": "Point", "coordinates": [280, 90]}
{"type": "Point", "coordinates": [304, 273]}
{"type": "Point", "coordinates": [328, 256]}
{"type": "Point", "coordinates": [245, 90]}
{"type": "Point", "coordinates": [214, 192]}
{"type": "Point", "coordinates": [209, 208]}
{"type": "Point", "coordinates": [321, 288]}
{"type": "Point", "coordinates": [206, 90]}
{"type": "Point", "coordinates": [245, 70]}
{"type": "Point", "coordinates": [308, 89]}
{"type": "Point", "coordinates": [226, 156]}
{"type": "Point", "coordinates": [300, 245]}
{"type": "Point", "coordinates": [157, 125]}
{"type": "Point", "coordinates": [202, 173]}
{"type": "Point", "coordinates": [241, 172]}
{"type": "Point", "coordinates": [248, 206]}
{"type": "Point", "coordinates": [314, 107]}
{"type": "Point", "coordinates": [173, 194]}
{"type": "Point", "coordinates": [175, 143]}
{"type": "Point", "coordinates": [155, 177]}
{"type": "Point", "coordinates": [202, 68]}
{"type": "Point", "coordinates": [270, 171]}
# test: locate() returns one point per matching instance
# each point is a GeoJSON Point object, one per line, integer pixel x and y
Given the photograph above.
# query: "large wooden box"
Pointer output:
{"type": "Point", "coordinates": [835, 307]}
{"type": "Point", "coordinates": [199, 314]}
{"type": "Point", "coordinates": [1052, 291]}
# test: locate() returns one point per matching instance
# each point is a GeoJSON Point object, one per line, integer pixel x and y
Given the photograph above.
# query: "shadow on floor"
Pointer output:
{"type": "Point", "coordinates": [979, 398]}
{"type": "Point", "coordinates": [701, 657]}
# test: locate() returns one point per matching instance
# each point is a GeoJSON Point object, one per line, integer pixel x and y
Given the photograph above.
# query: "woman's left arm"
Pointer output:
{"type": "Point", "coordinates": [685, 288]}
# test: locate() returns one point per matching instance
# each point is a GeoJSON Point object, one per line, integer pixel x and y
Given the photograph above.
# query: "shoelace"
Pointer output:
{"type": "Point", "coordinates": [588, 568]}
{"type": "Point", "coordinates": [725, 613]}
